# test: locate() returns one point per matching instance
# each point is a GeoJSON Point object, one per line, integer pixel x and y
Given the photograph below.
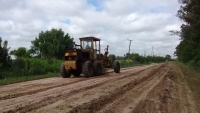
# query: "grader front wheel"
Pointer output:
{"type": "Point", "coordinates": [63, 72]}
{"type": "Point", "coordinates": [116, 67]}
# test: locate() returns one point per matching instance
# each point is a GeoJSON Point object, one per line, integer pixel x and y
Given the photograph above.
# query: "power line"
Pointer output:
{"type": "Point", "coordinates": [67, 10]}
{"type": "Point", "coordinates": [79, 15]}
{"type": "Point", "coordinates": [75, 13]}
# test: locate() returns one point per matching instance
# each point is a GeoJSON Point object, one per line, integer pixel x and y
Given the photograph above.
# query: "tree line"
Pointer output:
{"type": "Point", "coordinates": [140, 59]}
{"type": "Point", "coordinates": [48, 45]}
{"type": "Point", "coordinates": [188, 51]}
{"type": "Point", "coordinates": [44, 55]}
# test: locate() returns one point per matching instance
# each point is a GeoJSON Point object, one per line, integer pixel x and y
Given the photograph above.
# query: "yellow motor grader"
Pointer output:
{"type": "Point", "coordinates": [87, 59]}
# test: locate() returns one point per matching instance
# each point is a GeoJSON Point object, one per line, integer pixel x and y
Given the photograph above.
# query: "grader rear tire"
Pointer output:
{"type": "Point", "coordinates": [116, 67]}
{"type": "Point", "coordinates": [63, 72]}
{"type": "Point", "coordinates": [97, 68]}
{"type": "Point", "coordinates": [88, 70]}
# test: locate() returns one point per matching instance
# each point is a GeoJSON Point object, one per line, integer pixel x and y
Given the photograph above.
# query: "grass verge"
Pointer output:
{"type": "Point", "coordinates": [192, 76]}
{"type": "Point", "coordinates": [11, 80]}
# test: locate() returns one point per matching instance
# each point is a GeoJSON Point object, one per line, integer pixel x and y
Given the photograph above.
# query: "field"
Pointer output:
{"type": "Point", "coordinates": [149, 88]}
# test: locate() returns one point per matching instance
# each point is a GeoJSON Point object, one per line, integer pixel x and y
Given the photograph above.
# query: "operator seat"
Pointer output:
{"type": "Point", "coordinates": [87, 47]}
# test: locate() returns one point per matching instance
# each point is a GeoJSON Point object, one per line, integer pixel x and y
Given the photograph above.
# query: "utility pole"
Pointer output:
{"type": "Point", "coordinates": [129, 47]}
{"type": "Point", "coordinates": [152, 51]}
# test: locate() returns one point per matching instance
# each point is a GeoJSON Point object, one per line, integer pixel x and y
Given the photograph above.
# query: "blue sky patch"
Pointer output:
{"type": "Point", "coordinates": [96, 4]}
{"type": "Point", "coordinates": [67, 21]}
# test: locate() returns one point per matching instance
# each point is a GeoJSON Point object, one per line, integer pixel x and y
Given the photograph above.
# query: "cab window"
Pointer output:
{"type": "Point", "coordinates": [87, 44]}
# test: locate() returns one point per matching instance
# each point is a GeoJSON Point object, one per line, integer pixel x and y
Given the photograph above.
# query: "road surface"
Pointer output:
{"type": "Point", "coordinates": [155, 88]}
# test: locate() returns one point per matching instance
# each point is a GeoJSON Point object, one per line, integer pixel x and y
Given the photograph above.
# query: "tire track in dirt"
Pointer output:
{"type": "Point", "coordinates": [107, 103]}
{"type": "Point", "coordinates": [30, 102]}
{"type": "Point", "coordinates": [9, 96]}
{"type": "Point", "coordinates": [169, 96]}
{"type": "Point", "coordinates": [161, 98]}
{"type": "Point", "coordinates": [159, 90]}
{"type": "Point", "coordinates": [139, 92]}
{"type": "Point", "coordinates": [95, 98]}
{"type": "Point", "coordinates": [42, 87]}
{"type": "Point", "coordinates": [185, 92]}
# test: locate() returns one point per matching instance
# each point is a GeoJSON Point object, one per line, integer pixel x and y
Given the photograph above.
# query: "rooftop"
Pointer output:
{"type": "Point", "coordinates": [90, 37]}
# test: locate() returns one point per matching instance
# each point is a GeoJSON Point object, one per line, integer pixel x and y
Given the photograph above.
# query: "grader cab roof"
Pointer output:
{"type": "Point", "coordinates": [89, 38]}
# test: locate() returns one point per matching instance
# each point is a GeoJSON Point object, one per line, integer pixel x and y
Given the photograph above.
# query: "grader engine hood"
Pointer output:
{"type": "Point", "coordinates": [70, 60]}
{"type": "Point", "coordinates": [70, 54]}
{"type": "Point", "coordinates": [70, 65]}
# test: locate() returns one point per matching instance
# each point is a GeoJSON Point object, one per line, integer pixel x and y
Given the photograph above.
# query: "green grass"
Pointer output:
{"type": "Point", "coordinates": [192, 76]}
{"type": "Point", "coordinates": [10, 80]}
{"type": "Point", "coordinates": [60, 107]}
{"type": "Point", "coordinates": [69, 106]}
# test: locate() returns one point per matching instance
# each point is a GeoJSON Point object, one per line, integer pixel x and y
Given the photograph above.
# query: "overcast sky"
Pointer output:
{"type": "Point", "coordinates": [147, 23]}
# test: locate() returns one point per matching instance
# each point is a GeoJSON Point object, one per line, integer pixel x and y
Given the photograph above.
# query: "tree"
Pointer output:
{"type": "Point", "coordinates": [22, 52]}
{"type": "Point", "coordinates": [136, 57]}
{"type": "Point", "coordinates": [189, 48]}
{"type": "Point", "coordinates": [52, 44]}
{"type": "Point", "coordinates": [168, 57]}
{"type": "Point", "coordinates": [4, 55]}
{"type": "Point", "coordinates": [113, 57]}
{"type": "Point", "coordinates": [119, 58]}
{"type": "Point", "coordinates": [127, 55]}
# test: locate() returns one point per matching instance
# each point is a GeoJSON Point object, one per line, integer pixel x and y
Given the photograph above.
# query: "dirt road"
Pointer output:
{"type": "Point", "coordinates": [152, 88]}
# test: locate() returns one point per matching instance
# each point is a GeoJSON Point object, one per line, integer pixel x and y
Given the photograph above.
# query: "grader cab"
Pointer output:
{"type": "Point", "coordinates": [87, 59]}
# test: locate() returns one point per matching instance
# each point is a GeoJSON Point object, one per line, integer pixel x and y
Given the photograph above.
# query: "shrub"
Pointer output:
{"type": "Point", "coordinates": [33, 66]}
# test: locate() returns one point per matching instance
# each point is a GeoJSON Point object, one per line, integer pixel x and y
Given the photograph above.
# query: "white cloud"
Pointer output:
{"type": "Point", "coordinates": [118, 7]}
{"type": "Point", "coordinates": [146, 22]}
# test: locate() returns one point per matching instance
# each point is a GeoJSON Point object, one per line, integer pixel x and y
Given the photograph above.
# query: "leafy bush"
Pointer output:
{"type": "Point", "coordinates": [136, 59]}
{"type": "Point", "coordinates": [39, 66]}
{"type": "Point", "coordinates": [127, 63]}
{"type": "Point", "coordinates": [18, 67]}
{"type": "Point", "coordinates": [31, 66]}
